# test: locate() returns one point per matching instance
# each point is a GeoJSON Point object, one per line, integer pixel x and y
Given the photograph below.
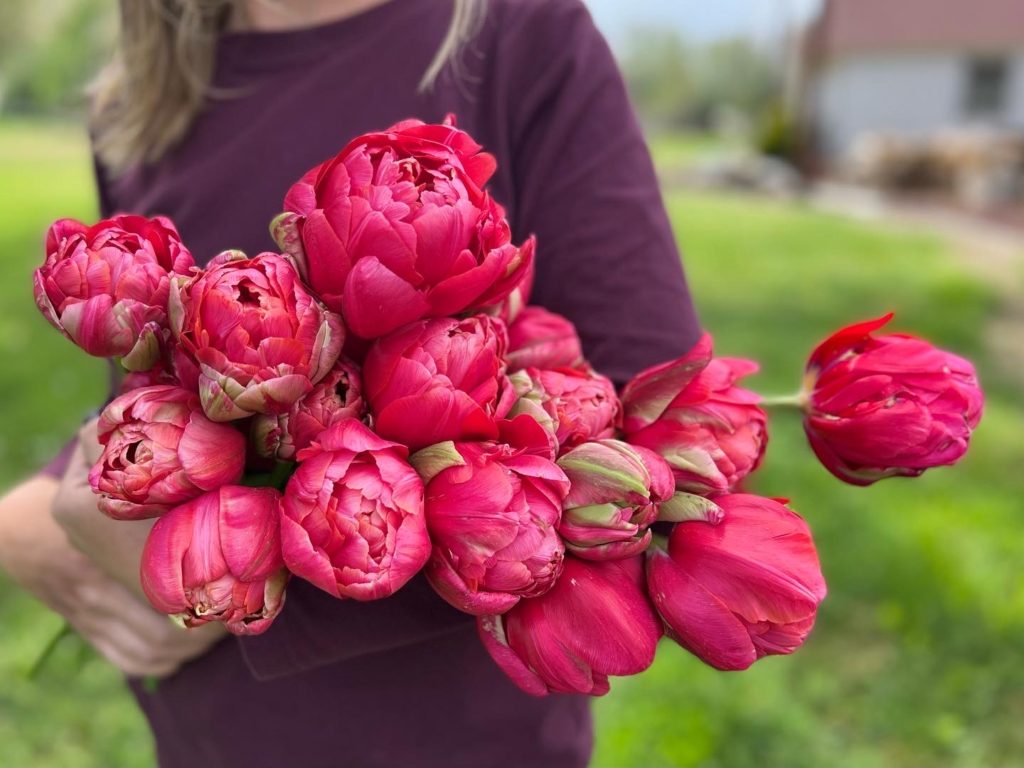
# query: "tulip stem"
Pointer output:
{"type": "Point", "coordinates": [798, 400]}
{"type": "Point", "coordinates": [48, 650]}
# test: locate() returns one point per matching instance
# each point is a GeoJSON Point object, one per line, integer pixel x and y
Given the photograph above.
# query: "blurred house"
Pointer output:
{"type": "Point", "coordinates": [919, 91]}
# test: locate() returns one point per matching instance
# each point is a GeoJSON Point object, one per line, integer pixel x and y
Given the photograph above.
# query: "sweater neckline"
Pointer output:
{"type": "Point", "coordinates": [271, 49]}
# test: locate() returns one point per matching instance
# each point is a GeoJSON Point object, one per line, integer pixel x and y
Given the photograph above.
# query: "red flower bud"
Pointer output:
{"type": "Point", "coordinates": [218, 558]}
{"type": "Point", "coordinates": [882, 406]}
{"type": "Point", "coordinates": [745, 587]}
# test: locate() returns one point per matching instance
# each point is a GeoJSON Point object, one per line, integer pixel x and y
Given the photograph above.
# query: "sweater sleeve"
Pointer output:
{"type": "Point", "coordinates": [585, 185]}
{"type": "Point", "coordinates": [583, 182]}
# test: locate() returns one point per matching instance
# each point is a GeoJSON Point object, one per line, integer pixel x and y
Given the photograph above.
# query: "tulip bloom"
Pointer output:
{"type": "Point", "coordinates": [744, 588]}
{"type": "Point", "coordinates": [397, 227]}
{"type": "Point", "coordinates": [105, 287]}
{"type": "Point", "coordinates": [337, 396]}
{"type": "Point", "coordinates": [492, 512]}
{"type": "Point", "coordinates": [437, 380]}
{"type": "Point", "coordinates": [256, 338]}
{"type": "Point", "coordinates": [690, 411]}
{"type": "Point", "coordinates": [160, 450]}
{"type": "Point", "coordinates": [541, 339]}
{"type": "Point", "coordinates": [218, 558]}
{"type": "Point", "coordinates": [352, 520]}
{"type": "Point", "coordinates": [883, 406]}
{"type": "Point", "coordinates": [596, 621]}
{"type": "Point", "coordinates": [575, 405]}
{"type": "Point", "coordinates": [616, 490]}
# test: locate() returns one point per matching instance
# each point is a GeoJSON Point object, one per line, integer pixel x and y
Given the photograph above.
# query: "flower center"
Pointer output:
{"type": "Point", "coordinates": [247, 295]}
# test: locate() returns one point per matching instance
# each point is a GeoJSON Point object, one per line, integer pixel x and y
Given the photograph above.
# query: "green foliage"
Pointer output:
{"type": "Point", "coordinates": [916, 657]}
{"type": "Point", "coordinates": [48, 52]}
{"type": "Point", "coordinates": [658, 71]}
{"type": "Point", "coordinates": [13, 15]}
{"type": "Point", "coordinates": [679, 86]}
{"type": "Point", "coordinates": [736, 73]}
{"type": "Point", "coordinates": [777, 133]}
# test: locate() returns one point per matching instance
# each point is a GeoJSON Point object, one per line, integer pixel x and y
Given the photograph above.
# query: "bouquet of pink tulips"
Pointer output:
{"type": "Point", "coordinates": [378, 399]}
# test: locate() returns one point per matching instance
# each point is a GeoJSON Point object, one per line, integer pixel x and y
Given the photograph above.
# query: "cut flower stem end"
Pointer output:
{"type": "Point", "coordinates": [800, 401]}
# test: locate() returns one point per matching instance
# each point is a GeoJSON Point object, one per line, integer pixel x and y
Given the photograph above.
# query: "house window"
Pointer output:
{"type": "Point", "coordinates": [987, 79]}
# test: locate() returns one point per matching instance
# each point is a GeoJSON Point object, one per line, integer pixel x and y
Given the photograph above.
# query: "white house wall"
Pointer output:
{"type": "Point", "coordinates": [902, 94]}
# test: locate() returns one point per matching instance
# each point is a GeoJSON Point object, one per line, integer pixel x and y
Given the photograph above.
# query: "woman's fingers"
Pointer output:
{"type": "Point", "coordinates": [134, 637]}
{"type": "Point", "coordinates": [119, 623]}
{"type": "Point", "coordinates": [115, 546]}
{"type": "Point", "coordinates": [87, 438]}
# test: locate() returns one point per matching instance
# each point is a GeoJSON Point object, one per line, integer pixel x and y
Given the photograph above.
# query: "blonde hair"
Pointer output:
{"type": "Point", "coordinates": [147, 97]}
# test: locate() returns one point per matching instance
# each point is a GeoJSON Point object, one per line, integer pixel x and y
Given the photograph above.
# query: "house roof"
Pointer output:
{"type": "Point", "coordinates": [860, 26]}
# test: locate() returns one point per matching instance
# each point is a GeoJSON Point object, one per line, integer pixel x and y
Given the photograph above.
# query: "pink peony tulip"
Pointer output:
{"type": "Point", "coordinates": [105, 287]}
{"type": "Point", "coordinates": [746, 587]}
{"type": "Point", "coordinates": [437, 380]}
{"type": "Point", "coordinates": [690, 411]}
{"type": "Point", "coordinates": [353, 521]}
{"type": "Point", "coordinates": [596, 621]}
{"type": "Point", "coordinates": [616, 490]}
{"type": "Point", "coordinates": [541, 339]}
{"type": "Point", "coordinates": [575, 405]}
{"type": "Point", "coordinates": [160, 450]}
{"type": "Point", "coordinates": [218, 558]}
{"type": "Point", "coordinates": [397, 227]}
{"type": "Point", "coordinates": [253, 336]}
{"type": "Point", "coordinates": [882, 406]}
{"type": "Point", "coordinates": [337, 396]}
{"type": "Point", "coordinates": [492, 511]}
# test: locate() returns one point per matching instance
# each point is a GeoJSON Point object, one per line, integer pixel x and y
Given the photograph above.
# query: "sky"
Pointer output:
{"type": "Point", "coordinates": [699, 20]}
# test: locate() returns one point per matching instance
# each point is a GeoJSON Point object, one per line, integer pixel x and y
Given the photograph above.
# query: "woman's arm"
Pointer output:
{"type": "Point", "coordinates": [114, 546]}
{"type": "Point", "coordinates": [36, 554]}
{"type": "Point", "coordinates": [607, 257]}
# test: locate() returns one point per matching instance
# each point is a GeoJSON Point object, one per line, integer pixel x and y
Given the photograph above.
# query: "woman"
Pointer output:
{"type": "Point", "coordinates": [213, 108]}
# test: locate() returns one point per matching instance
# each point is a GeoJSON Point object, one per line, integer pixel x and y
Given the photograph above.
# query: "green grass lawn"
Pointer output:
{"type": "Point", "coordinates": [916, 659]}
{"type": "Point", "coordinates": [679, 150]}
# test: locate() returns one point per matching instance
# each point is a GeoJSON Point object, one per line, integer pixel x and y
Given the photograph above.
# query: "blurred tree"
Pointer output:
{"type": "Point", "coordinates": [13, 16]}
{"type": "Point", "coordinates": [12, 21]}
{"type": "Point", "coordinates": [737, 74]}
{"type": "Point", "coordinates": [675, 85]}
{"type": "Point", "coordinates": [658, 72]}
{"type": "Point", "coordinates": [55, 48]}
{"type": "Point", "coordinates": [777, 134]}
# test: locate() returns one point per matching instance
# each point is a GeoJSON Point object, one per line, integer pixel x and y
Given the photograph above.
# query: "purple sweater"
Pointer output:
{"type": "Point", "coordinates": [405, 681]}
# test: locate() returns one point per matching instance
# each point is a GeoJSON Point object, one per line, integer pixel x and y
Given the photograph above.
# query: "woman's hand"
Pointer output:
{"type": "Point", "coordinates": [115, 546]}
{"type": "Point", "coordinates": [36, 553]}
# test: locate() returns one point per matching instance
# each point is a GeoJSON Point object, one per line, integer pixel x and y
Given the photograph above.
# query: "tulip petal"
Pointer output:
{"type": "Point", "coordinates": [211, 454]}
{"type": "Point", "coordinates": [492, 634]}
{"type": "Point", "coordinates": [650, 392]}
{"type": "Point", "coordinates": [162, 555]}
{"type": "Point", "coordinates": [377, 301]}
{"type": "Point", "coordinates": [698, 620]}
{"type": "Point", "coordinates": [303, 558]}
